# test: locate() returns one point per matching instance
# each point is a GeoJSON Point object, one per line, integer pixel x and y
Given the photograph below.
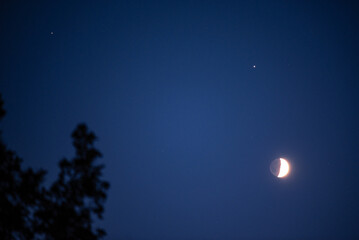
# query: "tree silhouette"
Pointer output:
{"type": "Point", "coordinates": [64, 211]}
{"type": "Point", "coordinates": [20, 193]}
{"type": "Point", "coordinates": [78, 194]}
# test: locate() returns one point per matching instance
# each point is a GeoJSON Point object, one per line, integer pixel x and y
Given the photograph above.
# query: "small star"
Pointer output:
{"type": "Point", "coordinates": [52, 33]}
{"type": "Point", "coordinates": [254, 66]}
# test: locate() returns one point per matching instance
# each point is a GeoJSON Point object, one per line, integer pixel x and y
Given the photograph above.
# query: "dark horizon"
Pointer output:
{"type": "Point", "coordinates": [188, 127]}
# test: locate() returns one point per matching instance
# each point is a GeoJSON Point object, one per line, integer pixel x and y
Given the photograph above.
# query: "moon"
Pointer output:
{"type": "Point", "coordinates": [280, 167]}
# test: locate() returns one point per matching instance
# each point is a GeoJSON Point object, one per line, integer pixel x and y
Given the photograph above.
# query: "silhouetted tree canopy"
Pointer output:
{"type": "Point", "coordinates": [67, 209]}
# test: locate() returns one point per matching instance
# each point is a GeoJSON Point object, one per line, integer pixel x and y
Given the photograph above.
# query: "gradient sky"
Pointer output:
{"type": "Point", "coordinates": [188, 128]}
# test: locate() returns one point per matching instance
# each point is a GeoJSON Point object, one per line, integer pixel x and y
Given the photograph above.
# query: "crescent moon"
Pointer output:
{"type": "Point", "coordinates": [280, 167]}
{"type": "Point", "coordinates": [284, 168]}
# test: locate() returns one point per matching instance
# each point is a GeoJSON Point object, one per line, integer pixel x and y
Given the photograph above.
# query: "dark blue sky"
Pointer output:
{"type": "Point", "coordinates": [187, 126]}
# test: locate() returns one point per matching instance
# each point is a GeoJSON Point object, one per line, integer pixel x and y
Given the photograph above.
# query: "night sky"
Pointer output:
{"type": "Point", "coordinates": [187, 125]}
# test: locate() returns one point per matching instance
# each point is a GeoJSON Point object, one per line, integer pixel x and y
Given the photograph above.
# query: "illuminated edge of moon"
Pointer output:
{"type": "Point", "coordinates": [284, 168]}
